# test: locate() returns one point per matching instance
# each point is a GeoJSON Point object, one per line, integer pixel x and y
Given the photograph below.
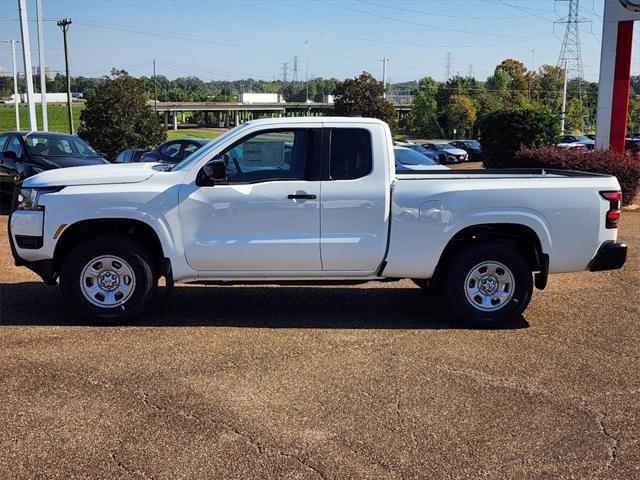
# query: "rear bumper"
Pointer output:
{"type": "Point", "coordinates": [610, 256]}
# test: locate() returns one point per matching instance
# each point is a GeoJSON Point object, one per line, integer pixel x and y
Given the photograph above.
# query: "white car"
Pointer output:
{"type": "Point", "coordinates": [581, 142]}
{"type": "Point", "coordinates": [310, 199]}
{"type": "Point", "coordinates": [446, 152]}
{"type": "Point", "coordinates": [409, 159]}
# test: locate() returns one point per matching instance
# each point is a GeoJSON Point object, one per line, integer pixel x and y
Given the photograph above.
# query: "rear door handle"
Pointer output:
{"type": "Point", "coordinates": [301, 196]}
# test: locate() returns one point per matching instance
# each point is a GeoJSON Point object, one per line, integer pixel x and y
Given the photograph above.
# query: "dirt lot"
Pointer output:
{"type": "Point", "coordinates": [372, 381]}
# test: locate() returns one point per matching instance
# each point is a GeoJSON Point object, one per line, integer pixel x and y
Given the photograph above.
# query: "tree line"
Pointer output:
{"type": "Point", "coordinates": [438, 108]}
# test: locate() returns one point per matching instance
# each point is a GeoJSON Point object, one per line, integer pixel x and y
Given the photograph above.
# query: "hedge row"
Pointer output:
{"type": "Point", "coordinates": [624, 167]}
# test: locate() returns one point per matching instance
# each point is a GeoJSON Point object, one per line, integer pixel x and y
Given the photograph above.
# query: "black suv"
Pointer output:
{"type": "Point", "coordinates": [175, 151]}
{"type": "Point", "coordinates": [23, 154]}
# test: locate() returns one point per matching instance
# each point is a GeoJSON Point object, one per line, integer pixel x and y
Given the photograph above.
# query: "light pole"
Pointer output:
{"type": "Point", "coordinates": [26, 56]}
{"type": "Point", "coordinates": [16, 95]}
{"type": "Point", "coordinates": [306, 49]}
{"type": "Point", "coordinates": [43, 77]}
{"type": "Point", "coordinates": [64, 25]}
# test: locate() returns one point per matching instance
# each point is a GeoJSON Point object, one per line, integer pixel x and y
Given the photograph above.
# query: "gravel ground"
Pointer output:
{"type": "Point", "coordinates": [373, 381]}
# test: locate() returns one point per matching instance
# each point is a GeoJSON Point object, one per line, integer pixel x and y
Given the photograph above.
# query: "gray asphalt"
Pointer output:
{"type": "Point", "coordinates": [373, 381]}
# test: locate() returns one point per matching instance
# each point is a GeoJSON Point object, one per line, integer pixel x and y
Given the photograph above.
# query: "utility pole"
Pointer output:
{"type": "Point", "coordinates": [43, 77]}
{"type": "Point", "coordinates": [564, 99]}
{"type": "Point", "coordinates": [64, 25]}
{"type": "Point", "coordinates": [16, 95]}
{"type": "Point", "coordinates": [306, 49]}
{"type": "Point", "coordinates": [384, 77]}
{"type": "Point", "coordinates": [26, 55]}
{"type": "Point", "coordinates": [155, 88]}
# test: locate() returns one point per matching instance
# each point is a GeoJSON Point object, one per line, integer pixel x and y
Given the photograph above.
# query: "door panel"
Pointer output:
{"type": "Point", "coordinates": [265, 217]}
{"type": "Point", "coordinates": [355, 201]}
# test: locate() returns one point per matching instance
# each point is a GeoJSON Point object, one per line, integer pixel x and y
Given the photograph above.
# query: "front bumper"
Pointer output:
{"type": "Point", "coordinates": [43, 268]}
{"type": "Point", "coordinates": [610, 256]}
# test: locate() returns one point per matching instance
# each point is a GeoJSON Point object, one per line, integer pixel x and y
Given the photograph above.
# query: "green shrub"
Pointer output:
{"type": "Point", "coordinates": [506, 131]}
{"type": "Point", "coordinates": [625, 167]}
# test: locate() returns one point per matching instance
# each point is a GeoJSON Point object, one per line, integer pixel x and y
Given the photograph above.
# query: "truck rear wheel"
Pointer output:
{"type": "Point", "coordinates": [108, 279]}
{"type": "Point", "coordinates": [489, 284]}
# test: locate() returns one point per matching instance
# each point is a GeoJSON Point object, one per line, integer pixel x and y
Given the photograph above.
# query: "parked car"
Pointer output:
{"type": "Point", "coordinates": [472, 147]}
{"type": "Point", "coordinates": [582, 142]}
{"type": "Point", "coordinates": [446, 152]}
{"type": "Point", "coordinates": [409, 159]}
{"type": "Point", "coordinates": [175, 151]}
{"type": "Point", "coordinates": [420, 149]}
{"type": "Point", "coordinates": [130, 155]}
{"type": "Point", "coordinates": [23, 154]}
{"type": "Point", "coordinates": [336, 213]}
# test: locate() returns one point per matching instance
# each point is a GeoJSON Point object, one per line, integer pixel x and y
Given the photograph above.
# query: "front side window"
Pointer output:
{"type": "Point", "coordinates": [273, 155]}
{"type": "Point", "coordinates": [14, 145]}
{"type": "Point", "coordinates": [350, 156]}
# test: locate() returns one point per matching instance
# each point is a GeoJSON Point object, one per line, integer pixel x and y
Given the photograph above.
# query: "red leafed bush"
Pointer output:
{"type": "Point", "coordinates": [625, 167]}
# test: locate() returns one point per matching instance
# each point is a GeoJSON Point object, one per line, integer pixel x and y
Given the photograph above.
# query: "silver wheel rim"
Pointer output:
{"type": "Point", "coordinates": [107, 281]}
{"type": "Point", "coordinates": [489, 286]}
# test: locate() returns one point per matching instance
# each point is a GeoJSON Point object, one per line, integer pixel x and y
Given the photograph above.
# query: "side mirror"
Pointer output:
{"type": "Point", "coordinates": [11, 155]}
{"type": "Point", "coordinates": [215, 170]}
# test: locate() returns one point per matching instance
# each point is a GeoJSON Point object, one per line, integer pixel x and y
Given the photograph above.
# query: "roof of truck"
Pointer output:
{"type": "Point", "coordinates": [279, 120]}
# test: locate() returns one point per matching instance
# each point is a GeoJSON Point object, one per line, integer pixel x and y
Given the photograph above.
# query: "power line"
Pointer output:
{"type": "Point", "coordinates": [409, 22]}
{"type": "Point", "coordinates": [443, 15]}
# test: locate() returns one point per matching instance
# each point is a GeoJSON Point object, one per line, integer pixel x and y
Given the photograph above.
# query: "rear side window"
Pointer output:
{"type": "Point", "coordinates": [350, 153]}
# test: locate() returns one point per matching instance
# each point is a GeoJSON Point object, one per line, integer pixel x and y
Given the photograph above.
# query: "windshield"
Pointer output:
{"type": "Point", "coordinates": [472, 144]}
{"type": "Point", "coordinates": [58, 146]}
{"type": "Point", "coordinates": [442, 146]}
{"type": "Point", "coordinates": [195, 156]}
{"type": "Point", "coordinates": [582, 138]}
{"type": "Point", "coordinates": [407, 156]}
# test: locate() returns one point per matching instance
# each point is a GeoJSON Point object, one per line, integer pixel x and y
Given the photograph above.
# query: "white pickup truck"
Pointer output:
{"type": "Point", "coordinates": [311, 199]}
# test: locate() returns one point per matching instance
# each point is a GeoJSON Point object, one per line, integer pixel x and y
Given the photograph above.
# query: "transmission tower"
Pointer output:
{"type": "Point", "coordinates": [448, 69]}
{"type": "Point", "coordinates": [570, 53]}
{"type": "Point", "coordinates": [570, 58]}
{"type": "Point", "coordinates": [285, 71]}
{"type": "Point", "coordinates": [295, 69]}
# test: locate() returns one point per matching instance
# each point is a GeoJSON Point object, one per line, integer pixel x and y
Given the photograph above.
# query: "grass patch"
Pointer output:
{"type": "Point", "coordinates": [56, 115]}
{"type": "Point", "coordinates": [191, 133]}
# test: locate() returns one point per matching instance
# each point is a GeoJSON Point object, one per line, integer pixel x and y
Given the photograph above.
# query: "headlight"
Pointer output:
{"type": "Point", "coordinates": [28, 197]}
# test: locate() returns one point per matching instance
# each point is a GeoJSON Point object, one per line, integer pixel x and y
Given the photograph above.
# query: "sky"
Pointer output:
{"type": "Point", "coordinates": [234, 39]}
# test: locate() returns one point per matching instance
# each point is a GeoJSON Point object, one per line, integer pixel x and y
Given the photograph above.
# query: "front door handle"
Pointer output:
{"type": "Point", "coordinates": [301, 196]}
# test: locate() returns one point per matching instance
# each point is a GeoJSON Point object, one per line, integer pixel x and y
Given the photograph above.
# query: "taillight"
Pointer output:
{"type": "Point", "coordinates": [613, 214]}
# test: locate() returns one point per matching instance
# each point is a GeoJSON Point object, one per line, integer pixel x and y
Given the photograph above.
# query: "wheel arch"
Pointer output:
{"type": "Point", "coordinates": [131, 228]}
{"type": "Point", "coordinates": [524, 238]}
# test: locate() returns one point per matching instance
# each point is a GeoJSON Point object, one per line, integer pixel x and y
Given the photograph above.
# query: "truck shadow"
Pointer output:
{"type": "Point", "coordinates": [33, 303]}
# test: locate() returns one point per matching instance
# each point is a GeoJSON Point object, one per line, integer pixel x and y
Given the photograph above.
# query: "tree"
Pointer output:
{"type": "Point", "coordinates": [117, 116]}
{"type": "Point", "coordinates": [363, 95]}
{"type": "Point", "coordinates": [460, 113]}
{"type": "Point", "coordinates": [506, 131]}
{"type": "Point", "coordinates": [423, 117]}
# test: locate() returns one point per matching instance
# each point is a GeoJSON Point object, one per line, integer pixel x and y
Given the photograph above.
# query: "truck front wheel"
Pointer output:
{"type": "Point", "coordinates": [489, 284]}
{"type": "Point", "coordinates": [110, 279]}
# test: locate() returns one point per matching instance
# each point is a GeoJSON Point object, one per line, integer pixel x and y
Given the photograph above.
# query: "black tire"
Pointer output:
{"type": "Point", "coordinates": [423, 283]}
{"type": "Point", "coordinates": [471, 311]}
{"type": "Point", "coordinates": [139, 262]}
